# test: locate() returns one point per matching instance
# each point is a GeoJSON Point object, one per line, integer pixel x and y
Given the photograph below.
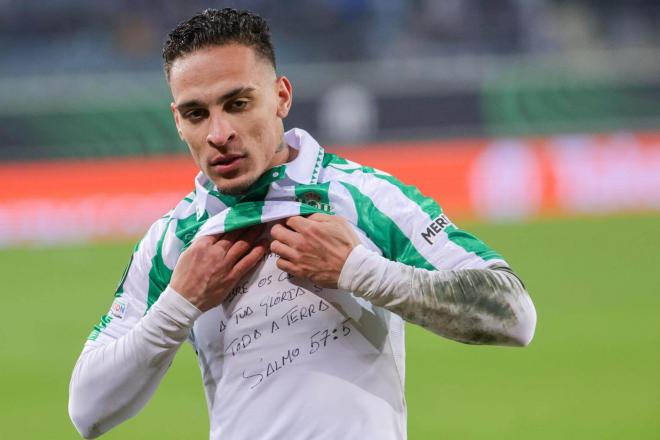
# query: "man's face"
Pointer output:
{"type": "Point", "coordinates": [228, 107]}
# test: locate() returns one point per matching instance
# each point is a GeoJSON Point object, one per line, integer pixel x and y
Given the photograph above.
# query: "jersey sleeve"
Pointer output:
{"type": "Point", "coordinates": [131, 298]}
{"type": "Point", "coordinates": [417, 264]}
{"type": "Point", "coordinates": [129, 351]}
{"type": "Point", "coordinates": [411, 228]}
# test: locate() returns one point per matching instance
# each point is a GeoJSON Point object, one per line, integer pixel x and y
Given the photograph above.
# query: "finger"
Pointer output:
{"type": "Point", "coordinates": [205, 240]}
{"type": "Point", "coordinates": [297, 223]}
{"type": "Point", "coordinates": [321, 217]}
{"type": "Point", "coordinates": [229, 238]}
{"type": "Point", "coordinates": [288, 267]}
{"type": "Point", "coordinates": [252, 233]}
{"type": "Point", "coordinates": [243, 245]}
{"type": "Point", "coordinates": [284, 234]}
{"type": "Point", "coordinates": [246, 263]}
{"type": "Point", "coordinates": [283, 250]}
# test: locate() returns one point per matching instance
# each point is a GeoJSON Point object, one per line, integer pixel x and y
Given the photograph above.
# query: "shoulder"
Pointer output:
{"type": "Point", "coordinates": [406, 225]}
{"type": "Point", "coordinates": [337, 169]}
{"type": "Point", "coordinates": [185, 213]}
{"type": "Point", "coordinates": [184, 208]}
{"type": "Point", "coordinates": [371, 185]}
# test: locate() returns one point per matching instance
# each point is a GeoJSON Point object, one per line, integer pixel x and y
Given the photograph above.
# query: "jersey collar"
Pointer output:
{"type": "Point", "coordinates": [304, 169]}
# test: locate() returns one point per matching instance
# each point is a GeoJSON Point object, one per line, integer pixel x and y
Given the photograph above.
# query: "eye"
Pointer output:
{"type": "Point", "coordinates": [194, 115]}
{"type": "Point", "coordinates": [238, 105]}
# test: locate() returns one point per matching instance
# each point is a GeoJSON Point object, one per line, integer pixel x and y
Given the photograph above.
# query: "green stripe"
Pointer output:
{"type": "Point", "coordinates": [465, 240]}
{"type": "Point", "coordinates": [263, 183]}
{"type": "Point", "coordinates": [160, 274]}
{"type": "Point", "coordinates": [98, 328]}
{"type": "Point", "coordinates": [384, 232]}
{"type": "Point", "coordinates": [248, 211]}
{"type": "Point", "coordinates": [190, 197]}
{"type": "Point", "coordinates": [105, 319]}
{"type": "Point", "coordinates": [471, 243]}
{"type": "Point", "coordinates": [426, 204]}
{"type": "Point", "coordinates": [226, 199]}
{"type": "Point", "coordinates": [120, 287]}
{"type": "Point", "coordinates": [330, 159]}
{"type": "Point", "coordinates": [256, 192]}
{"type": "Point", "coordinates": [243, 215]}
{"type": "Point", "coordinates": [186, 228]}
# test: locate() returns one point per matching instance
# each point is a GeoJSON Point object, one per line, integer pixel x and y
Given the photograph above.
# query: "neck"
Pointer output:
{"type": "Point", "coordinates": [293, 153]}
{"type": "Point", "coordinates": [284, 154]}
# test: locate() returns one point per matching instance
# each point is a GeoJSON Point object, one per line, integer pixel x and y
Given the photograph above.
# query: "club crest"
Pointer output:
{"type": "Point", "coordinates": [314, 200]}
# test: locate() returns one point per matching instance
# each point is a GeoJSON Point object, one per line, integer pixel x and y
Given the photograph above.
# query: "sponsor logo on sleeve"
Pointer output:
{"type": "Point", "coordinates": [436, 227]}
{"type": "Point", "coordinates": [118, 308]}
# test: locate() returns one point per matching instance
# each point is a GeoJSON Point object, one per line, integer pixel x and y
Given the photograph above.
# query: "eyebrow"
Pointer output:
{"type": "Point", "coordinates": [227, 96]}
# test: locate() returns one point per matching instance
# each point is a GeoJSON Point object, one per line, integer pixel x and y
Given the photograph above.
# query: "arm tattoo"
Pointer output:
{"type": "Point", "coordinates": [474, 306]}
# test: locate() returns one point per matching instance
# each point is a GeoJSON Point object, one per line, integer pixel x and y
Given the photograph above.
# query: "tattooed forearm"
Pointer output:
{"type": "Point", "coordinates": [478, 306]}
{"type": "Point", "coordinates": [475, 306]}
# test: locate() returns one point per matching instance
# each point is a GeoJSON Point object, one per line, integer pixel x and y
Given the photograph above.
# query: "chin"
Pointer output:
{"type": "Point", "coordinates": [235, 188]}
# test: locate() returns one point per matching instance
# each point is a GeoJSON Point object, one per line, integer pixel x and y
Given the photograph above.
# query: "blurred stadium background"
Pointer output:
{"type": "Point", "coordinates": [534, 123]}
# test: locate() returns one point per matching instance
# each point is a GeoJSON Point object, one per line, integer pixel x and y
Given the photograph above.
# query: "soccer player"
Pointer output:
{"type": "Point", "coordinates": [289, 269]}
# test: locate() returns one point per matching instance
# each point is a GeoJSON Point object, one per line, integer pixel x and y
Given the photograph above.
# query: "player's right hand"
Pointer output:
{"type": "Point", "coordinates": [210, 268]}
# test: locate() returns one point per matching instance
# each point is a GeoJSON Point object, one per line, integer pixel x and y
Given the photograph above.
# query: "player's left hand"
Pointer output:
{"type": "Point", "coordinates": [314, 247]}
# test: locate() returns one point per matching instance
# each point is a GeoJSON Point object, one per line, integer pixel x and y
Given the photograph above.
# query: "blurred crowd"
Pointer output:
{"type": "Point", "coordinates": [83, 79]}
{"type": "Point", "coordinates": [79, 35]}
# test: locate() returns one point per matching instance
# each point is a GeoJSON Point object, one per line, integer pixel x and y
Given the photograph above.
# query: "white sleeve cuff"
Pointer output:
{"type": "Point", "coordinates": [351, 268]}
{"type": "Point", "coordinates": [169, 320]}
{"type": "Point", "coordinates": [371, 276]}
{"type": "Point", "coordinates": [178, 308]}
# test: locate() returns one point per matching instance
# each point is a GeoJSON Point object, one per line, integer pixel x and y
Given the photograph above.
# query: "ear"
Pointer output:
{"type": "Point", "coordinates": [177, 121]}
{"type": "Point", "coordinates": [284, 96]}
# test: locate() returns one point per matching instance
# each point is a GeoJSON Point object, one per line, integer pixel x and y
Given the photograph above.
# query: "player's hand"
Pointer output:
{"type": "Point", "coordinates": [208, 270]}
{"type": "Point", "coordinates": [314, 247]}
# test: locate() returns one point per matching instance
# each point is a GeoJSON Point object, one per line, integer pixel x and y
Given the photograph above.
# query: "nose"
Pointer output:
{"type": "Point", "coordinates": [220, 132]}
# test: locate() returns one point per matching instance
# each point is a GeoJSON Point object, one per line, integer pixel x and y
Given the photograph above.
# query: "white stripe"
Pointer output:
{"type": "Point", "coordinates": [341, 202]}
{"type": "Point", "coordinates": [276, 210]}
{"type": "Point", "coordinates": [172, 247]}
{"type": "Point", "coordinates": [412, 221]}
{"type": "Point", "coordinates": [272, 210]}
{"type": "Point", "coordinates": [136, 286]}
{"type": "Point", "coordinates": [214, 225]}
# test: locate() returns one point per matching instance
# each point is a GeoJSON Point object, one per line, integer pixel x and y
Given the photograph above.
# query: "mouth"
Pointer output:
{"type": "Point", "coordinates": [226, 163]}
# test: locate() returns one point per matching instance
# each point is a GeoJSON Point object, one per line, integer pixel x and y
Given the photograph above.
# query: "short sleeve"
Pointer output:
{"type": "Point", "coordinates": [411, 228]}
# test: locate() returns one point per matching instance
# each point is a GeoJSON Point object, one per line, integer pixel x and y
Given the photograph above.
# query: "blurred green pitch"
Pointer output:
{"type": "Point", "coordinates": [591, 371]}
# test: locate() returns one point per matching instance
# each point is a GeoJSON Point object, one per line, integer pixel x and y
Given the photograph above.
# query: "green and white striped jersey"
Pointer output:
{"type": "Point", "coordinates": [279, 343]}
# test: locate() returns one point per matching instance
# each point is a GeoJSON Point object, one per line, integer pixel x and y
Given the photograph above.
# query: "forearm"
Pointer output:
{"type": "Point", "coordinates": [111, 383]}
{"type": "Point", "coordinates": [476, 306]}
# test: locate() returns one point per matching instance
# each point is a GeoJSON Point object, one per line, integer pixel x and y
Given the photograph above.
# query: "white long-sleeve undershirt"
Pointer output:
{"type": "Point", "coordinates": [111, 383]}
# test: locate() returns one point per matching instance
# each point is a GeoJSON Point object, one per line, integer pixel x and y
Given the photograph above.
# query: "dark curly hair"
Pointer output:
{"type": "Point", "coordinates": [217, 27]}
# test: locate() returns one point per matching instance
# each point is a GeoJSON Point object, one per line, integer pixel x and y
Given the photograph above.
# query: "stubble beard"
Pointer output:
{"type": "Point", "coordinates": [242, 188]}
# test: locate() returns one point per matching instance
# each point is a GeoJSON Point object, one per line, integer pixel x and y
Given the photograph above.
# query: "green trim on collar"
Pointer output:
{"type": "Point", "coordinates": [317, 166]}
{"type": "Point", "coordinates": [256, 191]}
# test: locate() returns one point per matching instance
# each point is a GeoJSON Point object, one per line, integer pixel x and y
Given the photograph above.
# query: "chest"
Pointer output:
{"type": "Point", "coordinates": [272, 323]}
